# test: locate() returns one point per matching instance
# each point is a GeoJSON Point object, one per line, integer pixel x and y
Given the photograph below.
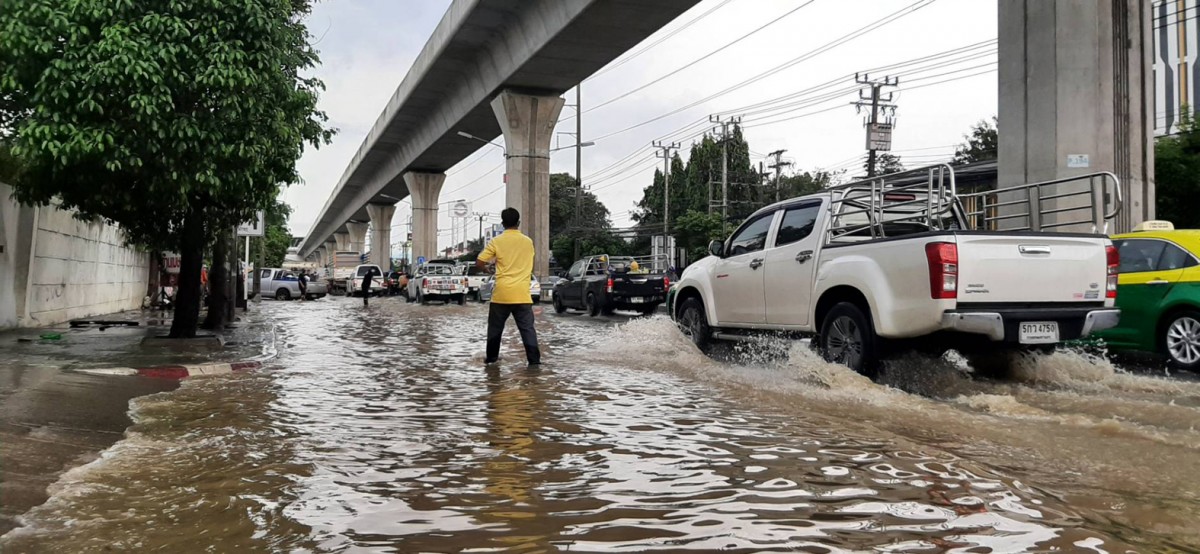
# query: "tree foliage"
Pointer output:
{"type": "Point", "coordinates": [983, 143]}
{"type": "Point", "coordinates": [1177, 174]}
{"type": "Point", "coordinates": [277, 239]}
{"type": "Point", "coordinates": [592, 228]}
{"type": "Point", "coordinates": [170, 118]}
{"type": "Point", "coordinates": [886, 163]}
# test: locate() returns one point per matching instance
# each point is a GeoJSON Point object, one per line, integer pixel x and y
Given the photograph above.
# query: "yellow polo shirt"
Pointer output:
{"type": "Point", "coordinates": [513, 253]}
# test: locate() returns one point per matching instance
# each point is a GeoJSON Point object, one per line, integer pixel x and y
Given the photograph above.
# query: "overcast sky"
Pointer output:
{"type": "Point", "coordinates": [367, 47]}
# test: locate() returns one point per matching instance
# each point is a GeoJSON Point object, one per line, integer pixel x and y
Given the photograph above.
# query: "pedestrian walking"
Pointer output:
{"type": "Point", "coordinates": [512, 252]}
{"type": "Point", "coordinates": [366, 285]}
{"type": "Point", "coordinates": [303, 286]}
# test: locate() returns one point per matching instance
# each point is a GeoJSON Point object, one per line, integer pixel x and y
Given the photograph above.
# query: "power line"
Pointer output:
{"type": "Point", "coordinates": [643, 50]}
{"type": "Point", "coordinates": [911, 8]}
{"type": "Point", "coordinates": [701, 58]}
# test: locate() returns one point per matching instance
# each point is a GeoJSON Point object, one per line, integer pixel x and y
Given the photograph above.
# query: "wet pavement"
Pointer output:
{"type": "Point", "coordinates": [380, 430]}
{"type": "Point", "coordinates": [55, 416]}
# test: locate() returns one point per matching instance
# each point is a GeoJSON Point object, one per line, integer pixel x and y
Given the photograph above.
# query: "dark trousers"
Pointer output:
{"type": "Point", "coordinates": [523, 314]}
{"type": "Point", "coordinates": [366, 292]}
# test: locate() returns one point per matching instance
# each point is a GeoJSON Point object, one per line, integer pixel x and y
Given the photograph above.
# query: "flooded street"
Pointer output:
{"type": "Point", "coordinates": [380, 430]}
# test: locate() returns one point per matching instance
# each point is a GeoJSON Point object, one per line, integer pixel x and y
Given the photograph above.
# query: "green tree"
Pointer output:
{"type": "Point", "coordinates": [807, 182]}
{"type": "Point", "coordinates": [277, 238]}
{"type": "Point", "coordinates": [981, 144]}
{"type": "Point", "coordinates": [1177, 174]}
{"type": "Point", "coordinates": [886, 163]}
{"type": "Point", "coordinates": [695, 229]}
{"type": "Point", "coordinates": [172, 119]}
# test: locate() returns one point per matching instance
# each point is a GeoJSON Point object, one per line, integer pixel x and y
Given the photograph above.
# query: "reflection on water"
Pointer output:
{"type": "Point", "coordinates": [380, 430]}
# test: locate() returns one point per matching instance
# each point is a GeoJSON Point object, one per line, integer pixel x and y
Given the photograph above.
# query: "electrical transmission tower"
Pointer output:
{"type": "Point", "coordinates": [879, 133]}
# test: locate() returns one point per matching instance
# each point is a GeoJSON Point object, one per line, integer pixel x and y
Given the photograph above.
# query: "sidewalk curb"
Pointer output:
{"type": "Point", "coordinates": [177, 371]}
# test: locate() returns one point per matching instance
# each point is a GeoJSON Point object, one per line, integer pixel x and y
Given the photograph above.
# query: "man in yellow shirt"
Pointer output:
{"type": "Point", "coordinates": [512, 252]}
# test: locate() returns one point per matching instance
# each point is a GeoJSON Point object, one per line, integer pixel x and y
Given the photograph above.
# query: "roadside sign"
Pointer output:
{"type": "Point", "coordinates": [253, 228]}
{"type": "Point", "coordinates": [461, 209]}
{"type": "Point", "coordinates": [171, 262]}
{"type": "Point", "coordinates": [420, 260]}
{"type": "Point", "coordinates": [1078, 160]}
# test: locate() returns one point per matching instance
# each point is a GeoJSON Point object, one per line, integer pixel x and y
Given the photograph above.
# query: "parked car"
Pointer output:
{"type": "Point", "coordinates": [1158, 292]}
{"type": "Point", "coordinates": [282, 284]}
{"type": "Point", "coordinates": [603, 284]}
{"type": "Point", "coordinates": [489, 285]}
{"type": "Point", "coordinates": [378, 284]}
{"type": "Point", "coordinates": [438, 280]}
{"type": "Point", "coordinates": [896, 262]}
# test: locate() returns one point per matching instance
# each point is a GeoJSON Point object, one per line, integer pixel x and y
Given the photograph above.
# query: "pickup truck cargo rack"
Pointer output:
{"type": "Point", "coordinates": [927, 199]}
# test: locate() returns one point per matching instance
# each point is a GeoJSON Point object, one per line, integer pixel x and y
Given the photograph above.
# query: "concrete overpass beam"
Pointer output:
{"type": "Point", "coordinates": [1076, 78]}
{"type": "Point", "coordinates": [381, 233]}
{"type": "Point", "coordinates": [357, 236]}
{"type": "Point", "coordinates": [341, 239]}
{"type": "Point", "coordinates": [425, 189]}
{"type": "Point", "coordinates": [528, 125]}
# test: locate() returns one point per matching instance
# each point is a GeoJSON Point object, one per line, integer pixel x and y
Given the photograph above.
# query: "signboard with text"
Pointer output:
{"type": "Point", "coordinates": [253, 228]}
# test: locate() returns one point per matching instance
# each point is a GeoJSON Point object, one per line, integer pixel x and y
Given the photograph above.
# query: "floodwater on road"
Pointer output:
{"type": "Point", "coordinates": [380, 430]}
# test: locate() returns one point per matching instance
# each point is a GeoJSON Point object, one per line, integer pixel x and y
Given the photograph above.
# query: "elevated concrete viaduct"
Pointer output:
{"type": "Point", "coordinates": [491, 67]}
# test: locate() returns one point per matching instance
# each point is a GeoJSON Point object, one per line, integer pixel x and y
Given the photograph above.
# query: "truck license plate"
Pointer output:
{"type": "Point", "coordinates": [637, 300]}
{"type": "Point", "coordinates": [1039, 332]}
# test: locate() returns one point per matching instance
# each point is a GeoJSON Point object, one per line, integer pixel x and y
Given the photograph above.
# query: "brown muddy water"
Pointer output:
{"type": "Point", "coordinates": [379, 430]}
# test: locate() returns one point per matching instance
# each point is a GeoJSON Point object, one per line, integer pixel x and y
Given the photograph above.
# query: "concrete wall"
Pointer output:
{"type": "Point", "coordinates": [55, 268]}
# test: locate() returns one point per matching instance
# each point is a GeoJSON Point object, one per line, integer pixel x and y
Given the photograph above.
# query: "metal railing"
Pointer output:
{"type": "Point", "coordinates": [1091, 199]}
{"type": "Point", "coordinates": [889, 200]}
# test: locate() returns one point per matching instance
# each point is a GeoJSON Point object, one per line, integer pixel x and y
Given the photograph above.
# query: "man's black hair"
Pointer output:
{"type": "Point", "coordinates": [510, 218]}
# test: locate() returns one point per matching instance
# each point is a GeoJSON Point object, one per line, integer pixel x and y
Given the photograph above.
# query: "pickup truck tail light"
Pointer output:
{"type": "Point", "coordinates": [608, 287]}
{"type": "Point", "coordinates": [666, 283]}
{"type": "Point", "coordinates": [943, 269]}
{"type": "Point", "coordinates": [1114, 262]}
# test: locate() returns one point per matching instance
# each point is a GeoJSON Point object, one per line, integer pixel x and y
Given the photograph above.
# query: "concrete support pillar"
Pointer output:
{"type": "Point", "coordinates": [528, 124]}
{"type": "Point", "coordinates": [330, 248]}
{"type": "Point", "coordinates": [1076, 78]}
{"type": "Point", "coordinates": [342, 240]}
{"type": "Point", "coordinates": [322, 256]}
{"type": "Point", "coordinates": [381, 233]}
{"type": "Point", "coordinates": [357, 233]}
{"type": "Point", "coordinates": [425, 189]}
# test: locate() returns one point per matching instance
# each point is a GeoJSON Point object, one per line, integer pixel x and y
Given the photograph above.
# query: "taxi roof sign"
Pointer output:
{"type": "Point", "coordinates": [1155, 225]}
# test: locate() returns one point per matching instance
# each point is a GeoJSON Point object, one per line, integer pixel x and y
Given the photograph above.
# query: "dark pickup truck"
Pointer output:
{"type": "Point", "coordinates": [604, 284]}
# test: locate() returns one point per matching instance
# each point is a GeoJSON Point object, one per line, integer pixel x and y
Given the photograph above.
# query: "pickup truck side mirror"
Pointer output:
{"type": "Point", "coordinates": [716, 248]}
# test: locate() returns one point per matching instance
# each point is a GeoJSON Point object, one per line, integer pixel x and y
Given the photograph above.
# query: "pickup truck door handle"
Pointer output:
{"type": "Point", "coordinates": [1158, 282]}
{"type": "Point", "coordinates": [756, 263]}
{"type": "Point", "coordinates": [804, 256]}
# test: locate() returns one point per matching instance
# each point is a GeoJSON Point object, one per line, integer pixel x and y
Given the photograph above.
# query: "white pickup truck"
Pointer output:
{"type": "Point", "coordinates": [872, 267]}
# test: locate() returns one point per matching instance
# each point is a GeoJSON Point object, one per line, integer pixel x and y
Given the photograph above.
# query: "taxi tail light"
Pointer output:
{"type": "Point", "coordinates": [1114, 262]}
{"type": "Point", "coordinates": [608, 288]}
{"type": "Point", "coordinates": [943, 269]}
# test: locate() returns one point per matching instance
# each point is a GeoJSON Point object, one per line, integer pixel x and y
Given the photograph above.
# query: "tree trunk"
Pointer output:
{"type": "Point", "coordinates": [218, 278]}
{"type": "Point", "coordinates": [187, 294]}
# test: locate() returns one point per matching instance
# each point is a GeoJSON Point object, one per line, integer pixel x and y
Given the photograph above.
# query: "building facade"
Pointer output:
{"type": "Point", "coordinates": [1175, 28]}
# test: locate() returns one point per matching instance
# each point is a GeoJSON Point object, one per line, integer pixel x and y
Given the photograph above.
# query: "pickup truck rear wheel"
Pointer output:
{"type": "Point", "coordinates": [283, 294]}
{"type": "Point", "coordinates": [462, 300]}
{"type": "Point", "coordinates": [559, 307]}
{"type": "Point", "coordinates": [593, 307]}
{"type": "Point", "coordinates": [848, 338]}
{"type": "Point", "coordinates": [694, 323]}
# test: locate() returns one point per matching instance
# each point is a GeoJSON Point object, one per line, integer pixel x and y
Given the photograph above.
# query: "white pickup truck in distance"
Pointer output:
{"type": "Point", "coordinates": [905, 261]}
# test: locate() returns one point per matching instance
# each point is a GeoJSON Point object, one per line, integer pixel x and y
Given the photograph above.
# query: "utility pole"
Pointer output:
{"type": "Point", "coordinates": [664, 152]}
{"type": "Point", "coordinates": [578, 163]}
{"type": "Point", "coordinates": [879, 134]}
{"type": "Point", "coordinates": [725, 136]}
{"type": "Point", "coordinates": [481, 216]}
{"type": "Point", "coordinates": [778, 167]}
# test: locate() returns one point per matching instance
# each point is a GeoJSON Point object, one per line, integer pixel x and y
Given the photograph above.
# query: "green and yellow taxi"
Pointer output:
{"type": "Point", "coordinates": [1158, 292]}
